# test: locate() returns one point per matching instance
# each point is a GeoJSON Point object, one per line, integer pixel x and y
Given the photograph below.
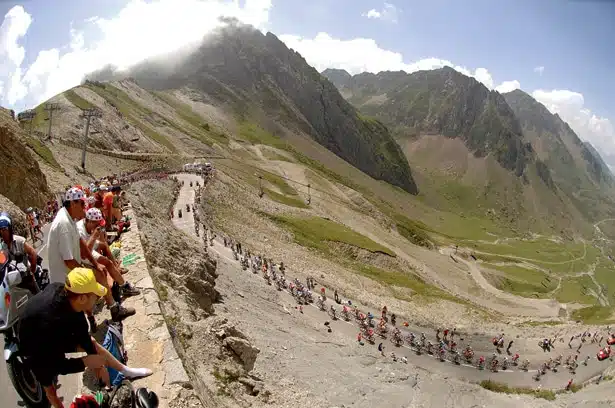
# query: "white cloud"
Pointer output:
{"type": "Point", "coordinates": [372, 14]}
{"type": "Point", "coordinates": [364, 55]}
{"type": "Point", "coordinates": [508, 86]}
{"type": "Point", "coordinates": [539, 70]}
{"type": "Point", "coordinates": [14, 27]}
{"type": "Point", "coordinates": [141, 29]}
{"type": "Point", "coordinates": [570, 106]}
{"type": "Point", "coordinates": [388, 13]}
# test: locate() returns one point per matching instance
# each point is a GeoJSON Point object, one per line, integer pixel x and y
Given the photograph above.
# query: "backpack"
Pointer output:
{"type": "Point", "coordinates": [114, 343]}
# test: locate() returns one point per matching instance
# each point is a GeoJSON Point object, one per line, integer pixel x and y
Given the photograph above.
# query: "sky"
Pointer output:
{"type": "Point", "coordinates": [559, 52]}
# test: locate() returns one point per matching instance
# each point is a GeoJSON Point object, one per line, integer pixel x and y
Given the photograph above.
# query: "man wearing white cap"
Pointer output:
{"type": "Point", "coordinates": [65, 248]}
{"type": "Point", "coordinates": [63, 239]}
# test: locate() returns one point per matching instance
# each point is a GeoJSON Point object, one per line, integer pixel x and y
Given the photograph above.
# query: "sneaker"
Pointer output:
{"type": "Point", "coordinates": [119, 312]}
{"type": "Point", "coordinates": [129, 290]}
{"type": "Point", "coordinates": [92, 322]}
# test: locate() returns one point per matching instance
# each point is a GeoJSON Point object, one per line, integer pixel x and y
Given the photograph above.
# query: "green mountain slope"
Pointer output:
{"type": "Point", "coordinates": [445, 102]}
{"type": "Point", "coordinates": [564, 183]}
{"type": "Point", "coordinates": [261, 80]}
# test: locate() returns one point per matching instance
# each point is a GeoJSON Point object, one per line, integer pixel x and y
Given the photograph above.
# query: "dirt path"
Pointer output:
{"type": "Point", "coordinates": [545, 307]}
{"type": "Point", "coordinates": [535, 260]}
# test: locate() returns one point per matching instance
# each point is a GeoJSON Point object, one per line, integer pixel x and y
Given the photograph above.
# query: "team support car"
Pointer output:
{"type": "Point", "coordinates": [604, 353]}
{"type": "Point", "coordinates": [611, 340]}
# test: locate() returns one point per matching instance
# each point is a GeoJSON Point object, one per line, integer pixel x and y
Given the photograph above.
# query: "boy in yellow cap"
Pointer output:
{"type": "Point", "coordinates": [57, 315]}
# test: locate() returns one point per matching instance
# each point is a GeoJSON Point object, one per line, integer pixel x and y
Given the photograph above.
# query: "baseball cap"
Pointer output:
{"type": "Point", "coordinates": [94, 214]}
{"type": "Point", "coordinates": [82, 281]}
{"type": "Point", "coordinates": [74, 194]}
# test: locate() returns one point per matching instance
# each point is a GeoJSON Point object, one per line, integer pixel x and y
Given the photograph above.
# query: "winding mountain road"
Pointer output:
{"type": "Point", "coordinates": [480, 343]}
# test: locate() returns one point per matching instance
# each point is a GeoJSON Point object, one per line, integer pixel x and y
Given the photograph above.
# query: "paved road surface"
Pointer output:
{"type": "Point", "coordinates": [481, 344]}
{"type": "Point", "coordinates": [70, 385]}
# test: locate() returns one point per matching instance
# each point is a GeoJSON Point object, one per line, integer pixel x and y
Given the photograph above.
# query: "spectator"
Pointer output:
{"type": "Point", "coordinates": [65, 248]}
{"type": "Point", "coordinates": [110, 212]}
{"type": "Point", "coordinates": [91, 230]}
{"type": "Point", "coordinates": [57, 315]}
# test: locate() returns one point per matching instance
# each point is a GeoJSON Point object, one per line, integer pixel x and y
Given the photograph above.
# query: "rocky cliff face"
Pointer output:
{"type": "Point", "coordinates": [574, 164]}
{"type": "Point", "coordinates": [21, 179]}
{"type": "Point", "coordinates": [259, 77]}
{"type": "Point", "coordinates": [446, 102]}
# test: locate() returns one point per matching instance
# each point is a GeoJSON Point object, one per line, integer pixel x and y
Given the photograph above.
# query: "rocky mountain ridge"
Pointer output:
{"type": "Point", "coordinates": [516, 130]}
{"type": "Point", "coordinates": [446, 102]}
{"type": "Point", "coordinates": [259, 79]}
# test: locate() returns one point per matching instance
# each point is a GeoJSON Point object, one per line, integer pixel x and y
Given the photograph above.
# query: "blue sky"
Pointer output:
{"type": "Point", "coordinates": [508, 38]}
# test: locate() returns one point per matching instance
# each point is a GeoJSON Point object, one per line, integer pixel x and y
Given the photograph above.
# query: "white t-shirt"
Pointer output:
{"type": "Point", "coordinates": [83, 233]}
{"type": "Point", "coordinates": [63, 245]}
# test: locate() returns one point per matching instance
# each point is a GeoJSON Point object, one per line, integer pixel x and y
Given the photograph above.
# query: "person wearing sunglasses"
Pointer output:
{"type": "Point", "coordinates": [66, 248]}
{"type": "Point", "coordinates": [56, 315]}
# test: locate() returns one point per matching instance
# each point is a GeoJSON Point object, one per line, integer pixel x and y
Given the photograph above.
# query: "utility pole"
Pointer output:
{"type": "Point", "coordinates": [88, 114]}
{"type": "Point", "coordinates": [27, 116]}
{"type": "Point", "coordinates": [50, 108]}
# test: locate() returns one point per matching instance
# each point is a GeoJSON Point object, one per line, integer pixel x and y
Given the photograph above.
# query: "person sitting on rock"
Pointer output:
{"type": "Point", "coordinates": [91, 229]}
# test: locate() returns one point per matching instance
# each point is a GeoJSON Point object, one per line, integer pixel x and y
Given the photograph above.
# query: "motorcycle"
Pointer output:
{"type": "Point", "coordinates": [15, 296]}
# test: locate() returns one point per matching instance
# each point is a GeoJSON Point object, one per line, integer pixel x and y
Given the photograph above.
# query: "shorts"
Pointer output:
{"type": "Point", "coordinates": [96, 255]}
{"type": "Point", "coordinates": [47, 368]}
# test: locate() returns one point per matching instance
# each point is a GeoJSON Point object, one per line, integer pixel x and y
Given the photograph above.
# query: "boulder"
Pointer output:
{"type": "Point", "coordinates": [246, 352]}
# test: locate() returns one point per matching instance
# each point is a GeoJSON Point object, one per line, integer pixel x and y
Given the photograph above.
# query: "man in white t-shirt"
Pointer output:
{"type": "Point", "coordinates": [91, 230]}
{"type": "Point", "coordinates": [65, 248]}
{"type": "Point", "coordinates": [64, 244]}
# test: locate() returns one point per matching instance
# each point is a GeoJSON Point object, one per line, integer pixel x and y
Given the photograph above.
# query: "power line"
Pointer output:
{"type": "Point", "coordinates": [27, 116]}
{"type": "Point", "coordinates": [328, 198]}
{"type": "Point", "coordinates": [88, 114]}
{"type": "Point", "coordinates": [278, 175]}
{"type": "Point", "coordinates": [50, 108]}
